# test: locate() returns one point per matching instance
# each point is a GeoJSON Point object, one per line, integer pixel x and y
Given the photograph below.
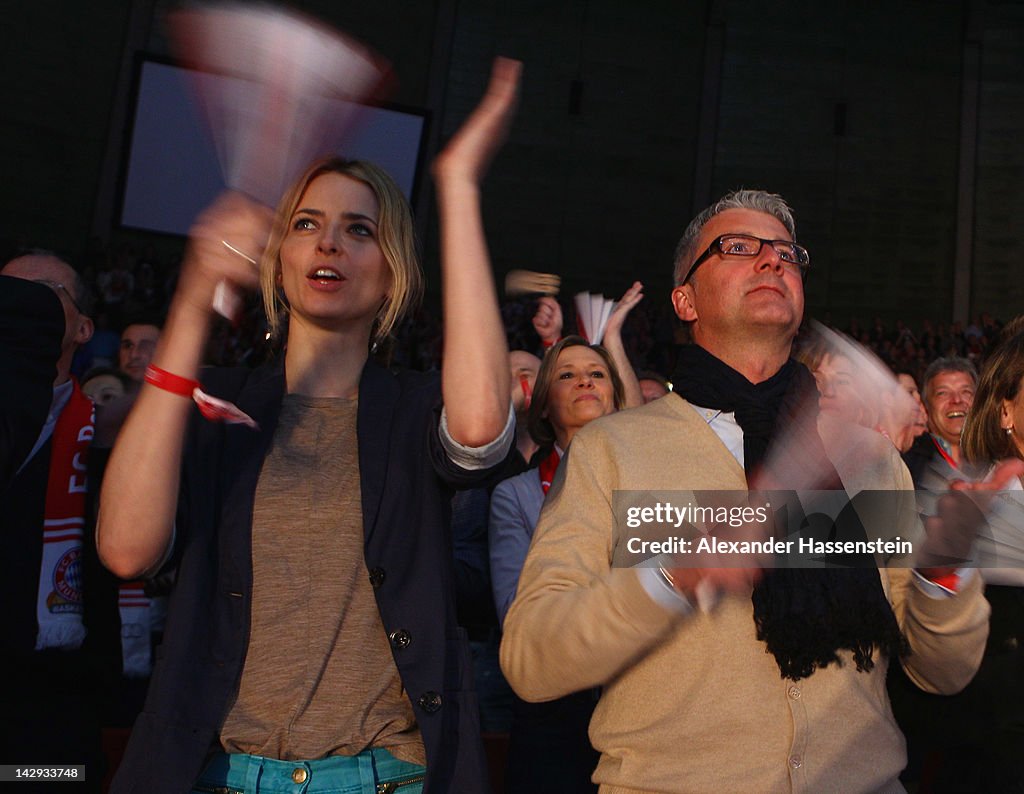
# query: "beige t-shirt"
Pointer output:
{"type": "Point", "coordinates": [319, 678]}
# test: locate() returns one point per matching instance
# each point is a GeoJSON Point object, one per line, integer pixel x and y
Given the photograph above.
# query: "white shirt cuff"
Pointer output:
{"type": "Point", "coordinates": [476, 458]}
{"type": "Point", "coordinates": [662, 593]}
{"type": "Point", "coordinates": [934, 590]}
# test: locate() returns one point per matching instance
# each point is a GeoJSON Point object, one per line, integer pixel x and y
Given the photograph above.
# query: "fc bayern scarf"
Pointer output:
{"type": "Point", "coordinates": [59, 602]}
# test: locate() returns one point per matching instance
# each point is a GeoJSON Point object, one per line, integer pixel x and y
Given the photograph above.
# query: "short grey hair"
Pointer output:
{"type": "Point", "coordinates": [949, 364]}
{"type": "Point", "coordinates": [758, 200]}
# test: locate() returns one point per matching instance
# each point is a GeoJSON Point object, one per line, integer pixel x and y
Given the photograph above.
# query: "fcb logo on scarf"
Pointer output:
{"type": "Point", "coordinates": [67, 583]}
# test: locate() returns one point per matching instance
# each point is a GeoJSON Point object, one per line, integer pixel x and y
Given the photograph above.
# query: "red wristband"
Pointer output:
{"type": "Point", "coordinates": [168, 381]}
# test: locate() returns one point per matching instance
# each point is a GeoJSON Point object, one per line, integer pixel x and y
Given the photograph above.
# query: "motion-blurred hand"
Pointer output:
{"type": "Point", "coordinates": [960, 515]}
{"type": "Point", "coordinates": [225, 244]}
{"type": "Point", "coordinates": [469, 153]}
{"type": "Point", "coordinates": [547, 322]}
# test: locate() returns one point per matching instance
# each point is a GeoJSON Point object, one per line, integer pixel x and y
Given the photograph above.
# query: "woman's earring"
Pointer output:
{"type": "Point", "coordinates": [1009, 430]}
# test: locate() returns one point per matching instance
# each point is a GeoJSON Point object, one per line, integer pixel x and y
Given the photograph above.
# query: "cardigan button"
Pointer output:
{"type": "Point", "coordinates": [796, 761]}
{"type": "Point", "coordinates": [376, 577]}
{"type": "Point", "coordinates": [400, 638]}
{"type": "Point", "coordinates": [430, 702]}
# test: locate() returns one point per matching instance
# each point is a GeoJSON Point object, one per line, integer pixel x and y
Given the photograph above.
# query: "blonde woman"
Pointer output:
{"type": "Point", "coordinates": [311, 640]}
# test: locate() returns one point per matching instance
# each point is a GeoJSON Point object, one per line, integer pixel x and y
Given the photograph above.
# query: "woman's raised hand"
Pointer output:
{"type": "Point", "coordinates": [469, 153]}
{"type": "Point", "coordinates": [475, 377]}
{"type": "Point", "coordinates": [613, 344]}
{"type": "Point", "coordinates": [623, 307]}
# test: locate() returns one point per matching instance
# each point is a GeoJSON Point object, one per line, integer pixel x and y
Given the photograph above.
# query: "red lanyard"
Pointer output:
{"type": "Point", "coordinates": [944, 454]}
{"type": "Point", "coordinates": [547, 469]}
{"type": "Point", "coordinates": [524, 384]}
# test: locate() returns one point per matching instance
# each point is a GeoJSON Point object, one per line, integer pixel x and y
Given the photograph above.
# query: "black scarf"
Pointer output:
{"type": "Point", "coordinates": [804, 616]}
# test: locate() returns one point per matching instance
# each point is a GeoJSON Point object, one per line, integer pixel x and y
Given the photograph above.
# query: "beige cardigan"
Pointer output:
{"type": "Point", "coordinates": [695, 703]}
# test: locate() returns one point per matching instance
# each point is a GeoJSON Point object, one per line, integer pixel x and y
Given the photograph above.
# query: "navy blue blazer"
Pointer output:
{"type": "Point", "coordinates": [406, 482]}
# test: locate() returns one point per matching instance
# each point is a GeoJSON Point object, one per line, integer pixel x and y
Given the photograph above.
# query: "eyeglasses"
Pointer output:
{"type": "Point", "coordinates": [746, 245]}
{"type": "Point", "coordinates": [58, 287]}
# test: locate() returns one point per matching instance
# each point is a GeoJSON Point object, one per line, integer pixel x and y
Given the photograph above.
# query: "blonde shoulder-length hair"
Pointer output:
{"type": "Point", "coordinates": [395, 237]}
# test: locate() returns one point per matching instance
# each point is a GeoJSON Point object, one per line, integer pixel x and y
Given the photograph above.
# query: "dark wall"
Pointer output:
{"type": "Point", "coordinates": [595, 182]}
{"type": "Point", "coordinates": [998, 250]}
{"type": "Point", "coordinates": [851, 111]}
{"type": "Point", "coordinates": [58, 72]}
{"type": "Point", "coordinates": [907, 191]}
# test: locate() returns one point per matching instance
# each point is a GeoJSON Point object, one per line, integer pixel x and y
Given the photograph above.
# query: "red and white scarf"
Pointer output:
{"type": "Point", "coordinates": [59, 603]}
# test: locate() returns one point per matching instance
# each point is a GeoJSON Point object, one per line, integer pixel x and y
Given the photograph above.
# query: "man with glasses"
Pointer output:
{"type": "Point", "coordinates": [50, 578]}
{"type": "Point", "coordinates": [727, 678]}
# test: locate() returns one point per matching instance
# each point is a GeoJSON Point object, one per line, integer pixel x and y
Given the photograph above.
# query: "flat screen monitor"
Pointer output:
{"type": "Point", "coordinates": [172, 170]}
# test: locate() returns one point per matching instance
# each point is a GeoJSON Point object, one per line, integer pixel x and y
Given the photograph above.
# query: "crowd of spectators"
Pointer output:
{"type": "Point", "coordinates": [905, 350]}
{"type": "Point", "coordinates": [132, 288]}
{"type": "Point", "coordinates": [136, 282]}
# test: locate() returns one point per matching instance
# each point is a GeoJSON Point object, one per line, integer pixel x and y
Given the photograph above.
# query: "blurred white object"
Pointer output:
{"type": "Point", "coordinates": [592, 312]}
{"type": "Point", "coordinates": [1000, 545]}
{"type": "Point", "coordinates": [848, 443]}
{"type": "Point", "coordinates": [282, 111]}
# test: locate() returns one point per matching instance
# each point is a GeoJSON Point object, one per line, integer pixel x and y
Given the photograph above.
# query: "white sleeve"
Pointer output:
{"type": "Point", "coordinates": [475, 458]}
